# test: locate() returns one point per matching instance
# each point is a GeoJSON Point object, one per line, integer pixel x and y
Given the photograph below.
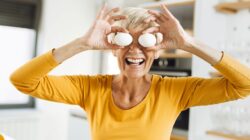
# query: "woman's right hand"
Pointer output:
{"type": "Point", "coordinates": [96, 36]}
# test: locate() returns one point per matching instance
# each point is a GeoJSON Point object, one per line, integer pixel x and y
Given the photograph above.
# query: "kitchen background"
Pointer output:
{"type": "Point", "coordinates": [222, 24]}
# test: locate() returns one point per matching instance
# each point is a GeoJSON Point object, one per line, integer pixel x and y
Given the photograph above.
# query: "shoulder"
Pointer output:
{"type": "Point", "coordinates": [166, 79]}
{"type": "Point", "coordinates": [95, 79]}
{"type": "Point", "coordinates": [174, 82]}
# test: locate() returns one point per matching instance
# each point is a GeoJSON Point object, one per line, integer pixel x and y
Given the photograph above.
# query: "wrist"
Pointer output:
{"type": "Point", "coordinates": [190, 45]}
{"type": "Point", "coordinates": [81, 43]}
{"type": "Point", "coordinates": [203, 51]}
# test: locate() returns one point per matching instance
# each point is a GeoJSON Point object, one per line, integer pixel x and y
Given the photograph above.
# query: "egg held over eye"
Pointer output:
{"type": "Point", "coordinates": [147, 40]}
{"type": "Point", "coordinates": [120, 39]}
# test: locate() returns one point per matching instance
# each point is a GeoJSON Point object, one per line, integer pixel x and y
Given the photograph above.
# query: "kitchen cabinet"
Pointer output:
{"type": "Point", "coordinates": [227, 136]}
{"type": "Point", "coordinates": [178, 134]}
{"type": "Point", "coordinates": [214, 28]}
{"type": "Point", "coordinates": [78, 126]}
{"type": "Point", "coordinates": [232, 7]}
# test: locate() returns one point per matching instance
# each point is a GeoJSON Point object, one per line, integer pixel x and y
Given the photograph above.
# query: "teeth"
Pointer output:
{"type": "Point", "coordinates": [135, 60]}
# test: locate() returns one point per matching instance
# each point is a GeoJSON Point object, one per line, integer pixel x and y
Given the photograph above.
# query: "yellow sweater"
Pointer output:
{"type": "Point", "coordinates": [1, 137]}
{"type": "Point", "coordinates": [153, 118]}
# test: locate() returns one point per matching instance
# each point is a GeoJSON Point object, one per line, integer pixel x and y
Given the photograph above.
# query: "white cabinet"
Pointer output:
{"type": "Point", "coordinates": [78, 126]}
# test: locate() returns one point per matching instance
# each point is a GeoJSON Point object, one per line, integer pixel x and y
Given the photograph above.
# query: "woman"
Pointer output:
{"type": "Point", "coordinates": [133, 105]}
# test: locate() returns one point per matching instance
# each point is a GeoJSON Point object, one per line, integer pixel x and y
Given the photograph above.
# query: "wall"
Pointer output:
{"type": "Point", "coordinates": [214, 29]}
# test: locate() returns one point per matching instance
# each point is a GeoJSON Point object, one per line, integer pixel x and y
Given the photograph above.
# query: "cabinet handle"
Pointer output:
{"type": "Point", "coordinates": [79, 116]}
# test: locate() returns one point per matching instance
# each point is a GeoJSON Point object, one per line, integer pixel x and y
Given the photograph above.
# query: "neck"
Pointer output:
{"type": "Point", "coordinates": [131, 86]}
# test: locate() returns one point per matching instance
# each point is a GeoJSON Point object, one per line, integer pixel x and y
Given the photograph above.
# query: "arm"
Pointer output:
{"type": "Point", "coordinates": [32, 78]}
{"type": "Point", "coordinates": [210, 55]}
{"type": "Point", "coordinates": [234, 84]}
{"type": "Point", "coordinates": [69, 50]}
{"type": "Point", "coordinates": [200, 91]}
{"type": "Point", "coordinates": [194, 91]}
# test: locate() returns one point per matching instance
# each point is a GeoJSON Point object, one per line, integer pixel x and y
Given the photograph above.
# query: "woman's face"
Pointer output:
{"type": "Point", "coordinates": [134, 60]}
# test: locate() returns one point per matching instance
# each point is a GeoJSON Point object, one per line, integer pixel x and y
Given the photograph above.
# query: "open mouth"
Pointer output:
{"type": "Point", "coordinates": [134, 61]}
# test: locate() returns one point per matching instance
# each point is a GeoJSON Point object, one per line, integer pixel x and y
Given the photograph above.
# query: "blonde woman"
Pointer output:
{"type": "Point", "coordinates": [133, 105]}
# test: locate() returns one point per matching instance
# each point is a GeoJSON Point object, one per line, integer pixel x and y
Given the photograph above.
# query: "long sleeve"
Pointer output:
{"type": "Point", "coordinates": [32, 79]}
{"type": "Point", "coordinates": [234, 84]}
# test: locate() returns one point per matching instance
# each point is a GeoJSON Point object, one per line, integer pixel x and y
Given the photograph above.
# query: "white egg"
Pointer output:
{"type": "Point", "coordinates": [147, 40]}
{"type": "Point", "coordinates": [123, 39]}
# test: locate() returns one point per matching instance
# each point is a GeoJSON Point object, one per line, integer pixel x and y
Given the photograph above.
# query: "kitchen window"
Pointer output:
{"type": "Point", "coordinates": [18, 34]}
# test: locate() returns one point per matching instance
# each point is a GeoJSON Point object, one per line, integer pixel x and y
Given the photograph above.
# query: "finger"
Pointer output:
{"type": "Point", "coordinates": [112, 19]}
{"type": "Point", "coordinates": [110, 45]}
{"type": "Point", "coordinates": [160, 15]}
{"type": "Point", "coordinates": [112, 11]}
{"type": "Point", "coordinates": [153, 19]}
{"type": "Point", "coordinates": [166, 11]}
{"type": "Point", "coordinates": [102, 11]}
{"type": "Point", "coordinates": [152, 30]}
{"type": "Point", "coordinates": [115, 47]}
{"type": "Point", "coordinates": [156, 14]}
{"type": "Point", "coordinates": [115, 29]}
{"type": "Point", "coordinates": [150, 19]}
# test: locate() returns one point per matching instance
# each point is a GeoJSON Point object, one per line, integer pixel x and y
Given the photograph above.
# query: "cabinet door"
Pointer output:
{"type": "Point", "coordinates": [78, 128]}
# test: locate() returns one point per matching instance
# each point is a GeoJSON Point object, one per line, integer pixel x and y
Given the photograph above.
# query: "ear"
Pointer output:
{"type": "Point", "coordinates": [157, 54]}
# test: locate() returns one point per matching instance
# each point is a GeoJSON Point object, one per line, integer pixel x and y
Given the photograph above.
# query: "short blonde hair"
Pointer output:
{"type": "Point", "coordinates": [135, 18]}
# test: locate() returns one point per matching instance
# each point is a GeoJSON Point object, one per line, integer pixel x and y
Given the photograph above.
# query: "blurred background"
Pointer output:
{"type": "Point", "coordinates": [32, 27]}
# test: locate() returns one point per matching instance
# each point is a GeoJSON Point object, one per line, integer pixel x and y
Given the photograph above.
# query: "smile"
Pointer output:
{"type": "Point", "coordinates": [134, 61]}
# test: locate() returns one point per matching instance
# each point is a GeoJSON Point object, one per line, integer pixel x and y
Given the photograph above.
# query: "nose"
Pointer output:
{"type": "Point", "coordinates": [134, 48]}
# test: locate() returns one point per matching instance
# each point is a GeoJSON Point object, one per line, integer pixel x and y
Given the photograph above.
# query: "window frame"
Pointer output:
{"type": "Point", "coordinates": [38, 7]}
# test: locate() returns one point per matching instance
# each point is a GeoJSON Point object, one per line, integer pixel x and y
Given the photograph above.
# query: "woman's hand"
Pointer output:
{"type": "Point", "coordinates": [174, 36]}
{"type": "Point", "coordinates": [96, 37]}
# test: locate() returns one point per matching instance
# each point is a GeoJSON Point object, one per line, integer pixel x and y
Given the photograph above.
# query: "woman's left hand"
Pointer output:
{"type": "Point", "coordinates": [174, 36]}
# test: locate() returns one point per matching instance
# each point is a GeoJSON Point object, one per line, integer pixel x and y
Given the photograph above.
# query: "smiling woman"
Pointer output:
{"type": "Point", "coordinates": [133, 104]}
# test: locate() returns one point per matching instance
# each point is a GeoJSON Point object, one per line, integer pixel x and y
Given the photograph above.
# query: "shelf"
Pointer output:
{"type": "Point", "coordinates": [229, 136]}
{"type": "Point", "coordinates": [232, 7]}
{"type": "Point", "coordinates": [177, 137]}
{"type": "Point", "coordinates": [179, 134]}
{"type": "Point", "coordinates": [154, 5]}
{"type": "Point", "coordinates": [174, 55]}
